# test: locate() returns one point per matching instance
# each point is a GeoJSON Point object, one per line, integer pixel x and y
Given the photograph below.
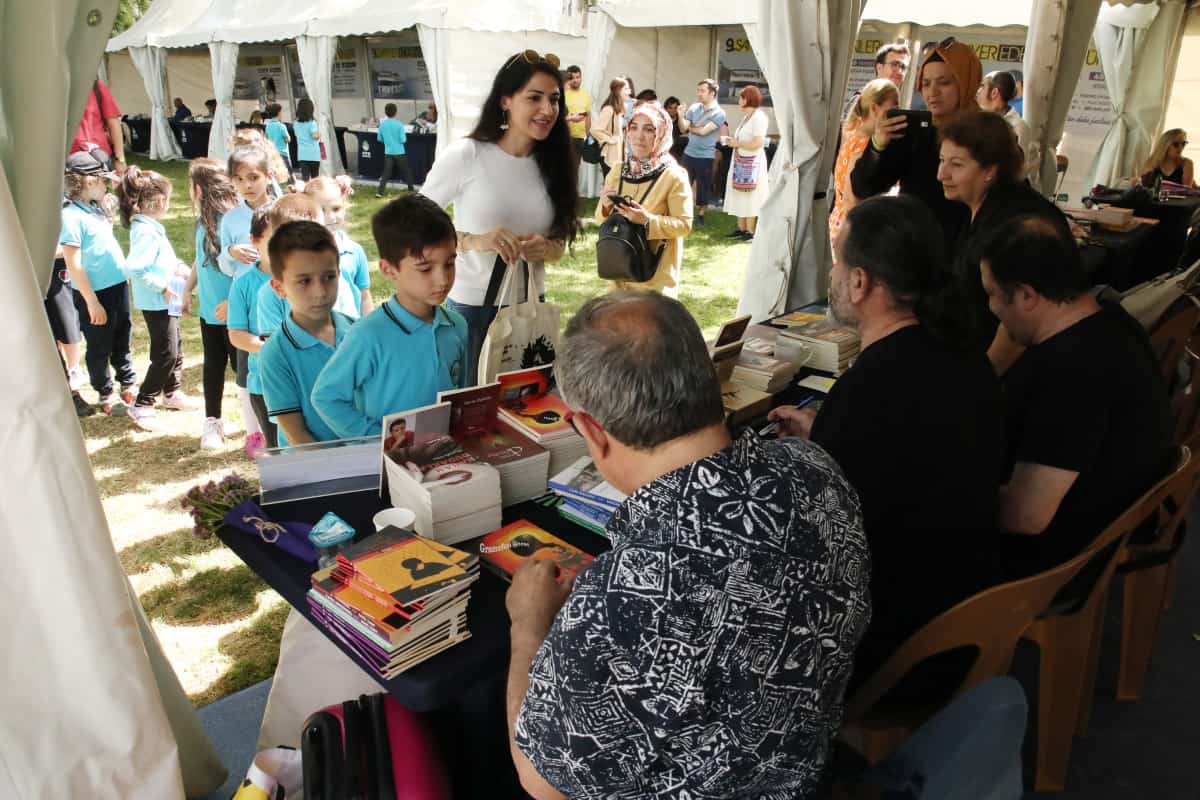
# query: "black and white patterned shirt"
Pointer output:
{"type": "Point", "coordinates": [706, 654]}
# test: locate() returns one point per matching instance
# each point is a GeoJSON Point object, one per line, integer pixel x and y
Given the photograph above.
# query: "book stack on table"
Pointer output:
{"type": "Point", "coordinates": [820, 344]}
{"type": "Point", "coordinates": [586, 498]}
{"type": "Point", "coordinates": [528, 403]}
{"type": "Point", "coordinates": [395, 599]}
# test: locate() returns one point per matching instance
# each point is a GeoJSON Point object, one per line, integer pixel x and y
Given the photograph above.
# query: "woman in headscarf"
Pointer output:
{"type": "Point", "coordinates": [908, 155]}
{"type": "Point", "coordinates": [656, 192]}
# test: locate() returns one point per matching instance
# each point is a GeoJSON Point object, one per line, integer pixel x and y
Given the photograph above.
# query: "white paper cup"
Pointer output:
{"type": "Point", "coordinates": [401, 518]}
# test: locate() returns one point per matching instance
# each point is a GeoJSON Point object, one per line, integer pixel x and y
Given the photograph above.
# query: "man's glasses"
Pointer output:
{"type": "Point", "coordinates": [570, 420]}
{"type": "Point", "coordinates": [534, 57]}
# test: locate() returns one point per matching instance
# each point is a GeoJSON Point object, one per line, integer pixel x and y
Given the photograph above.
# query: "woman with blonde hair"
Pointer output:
{"type": "Point", "coordinates": [609, 128]}
{"type": "Point", "coordinates": [1166, 160]}
{"type": "Point", "coordinates": [872, 105]}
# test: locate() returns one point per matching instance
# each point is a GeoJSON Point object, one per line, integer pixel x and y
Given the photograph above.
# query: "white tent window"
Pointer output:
{"type": "Point", "coordinates": [224, 57]}
{"type": "Point", "coordinates": [151, 62]}
{"type": "Point", "coordinates": [316, 65]}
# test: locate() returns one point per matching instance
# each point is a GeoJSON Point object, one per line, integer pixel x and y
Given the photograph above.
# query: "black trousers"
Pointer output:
{"type": "Point", "coordinates": [165, 374]}
{"type": "Point", "coordinates": [398, 166]}
{"type": "Point", "coordinates": [270, 432]}
{"type": "Point", "coordinates": [219, 355]}
{"type": "Point", "coordinates": [108, 344]}
{"type": "Point", "coordinates": [309, 169]}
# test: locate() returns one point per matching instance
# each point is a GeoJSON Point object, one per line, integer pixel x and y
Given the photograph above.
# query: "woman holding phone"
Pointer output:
{"type": "Point", "coordinates": [650, 188]}
{"type": "Point", "coordinates": [904, 148]}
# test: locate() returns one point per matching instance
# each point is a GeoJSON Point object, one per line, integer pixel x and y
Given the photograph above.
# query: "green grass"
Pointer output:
{"type": "Point", "coordinates": [219, 624]}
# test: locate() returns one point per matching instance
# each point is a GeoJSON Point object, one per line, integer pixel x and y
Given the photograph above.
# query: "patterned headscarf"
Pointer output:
{"type": "Point", "coordinates": [640, 169]}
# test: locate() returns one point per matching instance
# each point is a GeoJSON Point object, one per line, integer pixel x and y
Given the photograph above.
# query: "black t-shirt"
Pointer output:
{"type": "Point", "coordinates": [1091, 400]}
{"type": "Point", "coordinates": [918, 429]}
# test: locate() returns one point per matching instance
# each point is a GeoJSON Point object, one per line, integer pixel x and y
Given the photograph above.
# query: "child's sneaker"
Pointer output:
{"type": "Point", "coordinates": [77, 378]}
{"type": "Point", "coordinates": [255, 443]}
{"type": "Point", "coordinates": [213, 436]}
{"type": "Point", "coordinates": [112, 405]}
{"type": "Point", "coordinates": [178, 401]}
{"type": "Point", "coordinates": [82, 407]}
{"type": "Point", "coordinates": [144, 417]}
{"type": "Point", "coordinates": [128, 396]}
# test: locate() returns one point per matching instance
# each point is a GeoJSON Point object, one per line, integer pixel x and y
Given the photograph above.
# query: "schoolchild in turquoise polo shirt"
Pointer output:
{"type": "Point", "coordinates": [394, 136]}
{"type": "Point", "coordinates": [244, 332]}
{"type": "Point", "coordinates": [304, 268]}
{"type": "Point", "coordinates": [410, 348]}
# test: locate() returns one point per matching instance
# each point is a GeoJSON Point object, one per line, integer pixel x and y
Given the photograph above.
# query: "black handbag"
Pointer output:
{"type": "Point", "coordinates": [592, 152]}
{"type": "Point", "coordinates": [623, 252]}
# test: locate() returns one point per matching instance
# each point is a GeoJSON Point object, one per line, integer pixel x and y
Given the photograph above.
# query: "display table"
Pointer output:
{"type": "Point", "coordinates": [192, 137]}
{"type": "Point", "coordinates": [420, 149]}
{"type": "Point", "coordinates": [1116, 258]}
{"type": "Point", "coordinates": [463, 686]}
{"type": "Point", "coordinates": [139, 134]}
{"type": "Point", "coordinates": [1160, 247]}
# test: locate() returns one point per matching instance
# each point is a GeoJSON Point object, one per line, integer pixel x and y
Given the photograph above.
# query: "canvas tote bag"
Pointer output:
{"type": "Point", "coordinates": [523, 334]}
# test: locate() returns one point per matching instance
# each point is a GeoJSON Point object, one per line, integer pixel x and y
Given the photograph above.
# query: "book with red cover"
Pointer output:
{"type": "Point", "coordinates": [472, 410]}
{"type": "Point", "coordinates": [500, 445]}
{"type": "Point", "coordinates": [506, 549]}
{"type": "Point", "coordinates": [528, 402]}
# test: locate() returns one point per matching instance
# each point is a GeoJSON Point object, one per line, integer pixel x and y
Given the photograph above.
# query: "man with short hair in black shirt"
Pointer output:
{"type": "Point", "coordinates": [1088, 417]}
{"type": "Point", "coordinates": [916, 423]}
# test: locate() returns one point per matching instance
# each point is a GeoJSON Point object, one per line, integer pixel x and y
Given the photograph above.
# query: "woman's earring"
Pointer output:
{"type": "Point", "coordinates": [503, 119]}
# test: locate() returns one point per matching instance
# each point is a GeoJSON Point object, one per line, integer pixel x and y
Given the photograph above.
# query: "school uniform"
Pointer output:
{"type": "Point", "coordinates": [150, 266]}
{"type": "Point", "coordinates": [271, 310]}
{"type": "Point", "coordinates": [356, 271]}
{"type": "Point", "coordinates": [234, 228]}
{"type": "Point", "coordinates": [86, 227]}
{"type": "Point", "coordinates": [219, 352]}
{"type": "Point", "coordinates": [391, 361]}
{"type": "Point", "coordinates": [277, 135]}
{"type": "Point", "coordinates": [243, 316]}
{"type": "Point", "coordinates": [290, 363]}
{"type": "Point", "coordinates": [308, 149]}
{"type": "Point", "coordinates": [393, 135]}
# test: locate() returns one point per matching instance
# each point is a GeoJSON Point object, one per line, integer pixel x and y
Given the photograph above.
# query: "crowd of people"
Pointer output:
{"type": "Point", "coordinates": [997, 418]}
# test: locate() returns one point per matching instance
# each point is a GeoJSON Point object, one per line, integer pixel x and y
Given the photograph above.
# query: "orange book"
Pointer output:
{"type": "Point", "coordinates": [506, 549]}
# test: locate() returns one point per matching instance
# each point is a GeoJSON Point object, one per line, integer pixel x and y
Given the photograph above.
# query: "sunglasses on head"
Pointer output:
{"type": "Point", "coordinates": [534, 57]}
{"type": "Point", "coordinates": [1179, 144]}
{"type": "Point", "coordinates": [947, 42]}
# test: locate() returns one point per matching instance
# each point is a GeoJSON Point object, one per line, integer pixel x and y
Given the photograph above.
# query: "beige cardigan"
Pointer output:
{"type": "Point", "coordinates": [611, 135]}
{"type": "Point", "coordinates": [669, 205]}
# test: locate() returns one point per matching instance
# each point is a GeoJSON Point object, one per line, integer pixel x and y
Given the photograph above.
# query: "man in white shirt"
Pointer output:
{"type": "Point", "coordinates": [995, 94]}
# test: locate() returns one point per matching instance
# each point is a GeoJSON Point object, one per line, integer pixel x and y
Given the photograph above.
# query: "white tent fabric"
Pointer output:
{"type": "Point", "coordinates": [433, 49]}
{"type": "Point", "coordinates": [83, 707]}
{"type": "Point", "coordinates": [807, 50]}
{"type": "Point", "coordinates": [952, 13]}
{"type": "Point", "coordinates": [1136, 45]}
{"type": "Point", "coordinates": [224, 57]}
{"type": "Point", "coordinates": [316, 65]}
{"type": "Point", "coordinates": [379, 16]}
{"type": "Point", "coordinates": [601, 28]}
{"type": "Point", "coordinates": [1059, 34]}
{"type": "Point", "coordinates": [654, 13]}
{"type": "Point", "coordinates": [162, 18]}
{"type": "Point", "coordinates": [151, 62]}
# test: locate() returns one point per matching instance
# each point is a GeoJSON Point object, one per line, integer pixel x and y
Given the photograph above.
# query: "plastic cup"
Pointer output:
{"type": "Point", "coordinates": [401, 518]}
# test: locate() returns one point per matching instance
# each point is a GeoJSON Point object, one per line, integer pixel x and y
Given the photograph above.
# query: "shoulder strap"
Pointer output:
{"type": "Point", "coordinates": [650, 188]}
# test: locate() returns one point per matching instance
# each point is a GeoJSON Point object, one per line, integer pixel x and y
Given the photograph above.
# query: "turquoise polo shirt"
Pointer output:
{"type": "Point", "coordinates": [150, 264]}
{"type": "Point", "coordinates": [243, 316]}
{"type": "Point", "coordinates": [272, 309]}
{"type": "Point", "coordinates": [234, 228]}
{"type": "Point", "coordinates": [307, 148]}
{"type": "Point", "coordinates": [277, 134]}
{"type": "Point", "coordinates": [391, 361]}
{"type": "Point", "coordinates": [393, 135]}
{"type": "Point", "coordinates": [85, 226]}
{"type": "Point", "coordinates": [290, 361]}
{"type": "Point", "coordinates": [214, 284]}
{"type": "Point", "coordinates": [352, 260]}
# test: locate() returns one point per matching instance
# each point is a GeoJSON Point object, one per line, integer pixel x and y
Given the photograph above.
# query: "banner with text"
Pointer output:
{"type": "Point", "coordinates": [737, 67]}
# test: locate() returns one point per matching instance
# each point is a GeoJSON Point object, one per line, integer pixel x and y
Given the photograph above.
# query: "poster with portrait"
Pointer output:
{"type": "Point", "coordinates": [737, 67]}
{"type": "Point", "coordinates": [260, 76]}
{"type": "Point", "coordinates": [398, 70]}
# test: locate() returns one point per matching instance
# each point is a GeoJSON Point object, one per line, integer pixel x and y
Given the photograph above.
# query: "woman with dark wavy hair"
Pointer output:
{"type": "Point", "coordinates": [513, 184]}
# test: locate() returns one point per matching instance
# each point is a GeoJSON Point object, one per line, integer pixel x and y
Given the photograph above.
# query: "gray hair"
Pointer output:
{"type": "Point", "coordinates": [637, 363]}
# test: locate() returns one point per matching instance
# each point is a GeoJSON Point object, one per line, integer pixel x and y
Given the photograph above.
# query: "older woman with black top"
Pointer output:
{"type": "Point", "coordinates": [908, 155]}
{"type": "Point", "coordinates": [981, 169]}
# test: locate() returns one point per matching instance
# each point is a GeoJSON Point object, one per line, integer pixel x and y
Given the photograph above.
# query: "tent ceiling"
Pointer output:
{"type": "Point", "coordinates": [655, 14]}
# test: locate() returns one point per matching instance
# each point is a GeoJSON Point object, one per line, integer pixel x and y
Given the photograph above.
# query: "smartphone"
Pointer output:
{"type": "Point", "coordinates": [916, 118]}
{"type": "Point", "coordinates": [617, 200]}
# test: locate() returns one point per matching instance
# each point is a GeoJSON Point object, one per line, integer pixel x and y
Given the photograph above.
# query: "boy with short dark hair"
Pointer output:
{"type": "Point", "coordinates": [409, 348]}
{"type": "Point", "coordinates": [304, 269]}
{"type": "Point", "coordinates": [393, 135]}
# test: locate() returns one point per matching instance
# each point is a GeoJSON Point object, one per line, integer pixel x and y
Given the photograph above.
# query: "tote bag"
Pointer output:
{"type": "Point", "coordinates": [523, 334]}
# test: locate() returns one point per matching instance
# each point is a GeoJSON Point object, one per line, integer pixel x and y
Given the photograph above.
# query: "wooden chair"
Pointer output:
{"type": "Point", "coordinates": [1068, 635]}
{"type": "Point", "coordinates": [990, 622]}
{"type": "Point", "coordinates": [1170, 336]}
{"type": "Point", "coordinates": [1147, 569]}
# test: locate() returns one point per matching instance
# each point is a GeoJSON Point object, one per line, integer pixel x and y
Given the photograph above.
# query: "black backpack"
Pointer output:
{"type": "Point", "coordinates": [623, 253]}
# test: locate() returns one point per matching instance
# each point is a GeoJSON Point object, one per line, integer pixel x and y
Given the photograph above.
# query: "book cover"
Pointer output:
{"type": "Point", "coordinates": [542, 415]}
{"type": "Point", "coordinates": [824, 330]}
{"type": "Point", "coordinates": [525, 383]}
{"type": "Point", "coordinates": [765, 364]}
{"type": "Point", "coordinates": [506, 549]}
{"type": "Point", "coordinates": [409, 571]}
{"type": "Point", "coordinates": [472, 410]}
{"type": "Point", "coordinates": [583, 479]}
{"type": "Point", "coordinates": [429, 454]}
{"type": "Point", "coordinates": [500, 445]}
{"type": "Point", "coordinates": [799, 318]}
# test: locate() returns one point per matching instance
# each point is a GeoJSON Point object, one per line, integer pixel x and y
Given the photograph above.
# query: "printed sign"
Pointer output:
{"type": "Point", "coordinates": [260, 76]}
{"type": "Point", "coordinates": [398, 70]}
{"type": "Point", "coordinates": [346, 76]}
{"type": "Point", "coordinates": [737, 67]}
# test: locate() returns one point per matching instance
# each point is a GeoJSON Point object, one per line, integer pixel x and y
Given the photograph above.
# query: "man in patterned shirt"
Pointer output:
{"type": "Point", "coordinates": [706, 654]}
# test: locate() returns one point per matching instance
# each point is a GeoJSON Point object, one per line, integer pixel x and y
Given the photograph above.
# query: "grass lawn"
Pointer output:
{"type": "Point", "coordinates": [218, 623]}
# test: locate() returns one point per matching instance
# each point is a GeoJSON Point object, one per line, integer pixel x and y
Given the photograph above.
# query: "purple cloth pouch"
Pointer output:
{"type": "Point", "coordinates": [291, 537]}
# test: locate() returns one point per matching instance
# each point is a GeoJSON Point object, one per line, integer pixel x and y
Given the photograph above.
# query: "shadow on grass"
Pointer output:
{"type": "Point", "coordinates": [254, 651]}
{"type": "Point", "coordinates": [171, 550]}
{"type": "Point", "coordinates": [143, 463]}
{"type": "Point", "coordinates": [212, 597]}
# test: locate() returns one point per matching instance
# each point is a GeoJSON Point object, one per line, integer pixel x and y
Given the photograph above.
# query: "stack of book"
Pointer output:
{"type": "Point", "coordinates": [453, 495]}
{"type": "Point", "coordinates": [762, 372]}
{"type": "Point", "coordinates": [823, 344]}
{"type": "Point", "coordinates": [504, 550]}
{"type": "Point", "coordinates": [528, 403]}
{"type": "Point", "coordinates": [395, 599]}
{"type": "Point", "coordinates": [523, 464]}
{"type": "Point", "coordinates": [743, 403]}
{"type": "Point", "coordinates": [587, 498]}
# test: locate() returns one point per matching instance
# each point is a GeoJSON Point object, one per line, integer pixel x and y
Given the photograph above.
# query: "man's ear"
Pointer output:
{"type": "Point", "coordinates": [859, 284]}
{"type": "Point", "coordinates": [594, 436]}
{"type": "Point", "coordinates": [277, 286]}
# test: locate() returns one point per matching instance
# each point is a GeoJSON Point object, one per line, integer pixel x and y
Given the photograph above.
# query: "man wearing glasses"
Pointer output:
{"type": "Point", "coordinates": [891, 62]}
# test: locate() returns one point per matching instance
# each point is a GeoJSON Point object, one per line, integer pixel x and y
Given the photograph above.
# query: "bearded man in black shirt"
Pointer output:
{"type": "Point", "coordinates": [1088, 415]}
{"type": "Point", "coordinates": [916, 423]}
